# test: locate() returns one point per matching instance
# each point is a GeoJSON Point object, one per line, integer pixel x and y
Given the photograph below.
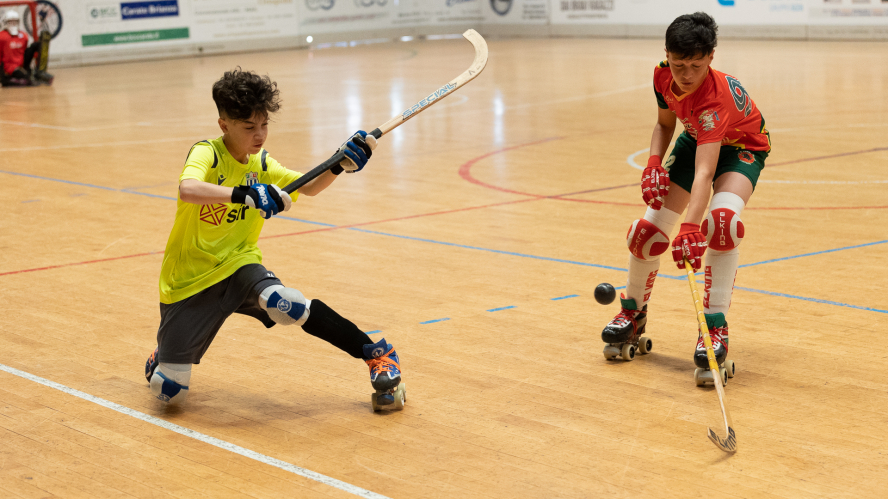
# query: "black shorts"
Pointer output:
{"type": "Point", "coordinates": [188, 327]}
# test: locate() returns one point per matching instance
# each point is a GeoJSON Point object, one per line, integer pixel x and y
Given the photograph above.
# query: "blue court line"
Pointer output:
{"type": "Point", "coordinates": [815, 300]}
{"type": "Point", "coordinates": [501, 252]}
{"type": "Point", "coordinates": [374, 332]}
{"type": "Point", "coordinates": [501, 308]}
{"type": "Point", "coordinates": [31, 201]}
{"type": "Point", "coordinates": [815, 253]}
{"type": "Point", "coordinates": [436, 320]}
{"type": "Point", "coordinates": [512, 253]}
{"type": "Point", "coordinates": [564, 297]}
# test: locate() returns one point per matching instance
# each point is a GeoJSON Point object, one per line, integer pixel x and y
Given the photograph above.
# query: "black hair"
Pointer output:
{"type": "Point", "coordinates": [241, 94]}
{"type": "Point", "coordinates": [692, 35]}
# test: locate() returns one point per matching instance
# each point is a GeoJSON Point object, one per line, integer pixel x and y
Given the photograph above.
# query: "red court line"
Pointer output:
{"type": "Point", "coordinates": [817, 158]}
{"type": "Point", "coordinates": [80, 263]}
{"type": "Point", "coordinates": [465, 171]}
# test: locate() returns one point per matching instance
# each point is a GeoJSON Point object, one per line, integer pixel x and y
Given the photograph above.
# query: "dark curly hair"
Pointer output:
{"type": "Point", "coordinates": [692, 35]}
{"type": "Point", "coordinates": [241, 94]}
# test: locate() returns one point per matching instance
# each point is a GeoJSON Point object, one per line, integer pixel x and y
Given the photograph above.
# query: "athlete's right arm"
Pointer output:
{"type": "Point", "coordinates": [655, 179]}
{"type": "Point", "coordinates": [196, 192]}
{"type": "Point", "coordinates": [663, 132]}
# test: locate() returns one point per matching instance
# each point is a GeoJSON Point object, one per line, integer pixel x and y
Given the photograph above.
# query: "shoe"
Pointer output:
{"type": "Point", "coordinates": [151, 365]}
{"type": "Point", "coordinates": [628, 325]}
{"type": "Point", "coordinates": [385, 368]}
{"type": "Point", "coordinates": [718, 331]}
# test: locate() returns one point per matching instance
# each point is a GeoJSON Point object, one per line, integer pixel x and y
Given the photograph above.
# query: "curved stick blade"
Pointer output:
{"type": "Point", "coordinates": [726, 444]}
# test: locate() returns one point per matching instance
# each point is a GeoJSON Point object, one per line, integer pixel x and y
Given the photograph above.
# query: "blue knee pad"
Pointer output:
{"type": "Point", "coordinates": [169, 382]}
{"type": "Point", "coordinates": [285, 306]}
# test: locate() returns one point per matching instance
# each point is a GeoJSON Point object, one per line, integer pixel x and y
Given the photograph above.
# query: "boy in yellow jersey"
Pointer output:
{"type": "Point", "coordinates": [212, 266]}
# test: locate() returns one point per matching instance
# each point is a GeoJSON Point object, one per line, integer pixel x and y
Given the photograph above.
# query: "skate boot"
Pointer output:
{"type": "Point", "coordinates": [385, 376]}
{"type": "Point", "coordinates": [623, 334]}
{"type": "Point", "coordinates": [151, 365]}
{"type": "Point", "coordinates": [718, 331]}
{"type": "Point", "coordinates": [42, 78]}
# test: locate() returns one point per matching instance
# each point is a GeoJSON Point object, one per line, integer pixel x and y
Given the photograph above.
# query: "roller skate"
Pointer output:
{"type": "Point", "coordinates": [718, 331]}
{"type": "Point", "coordinates": [385, 376]}
{"type": "Point", "coordinates": [623, 334]}
{"type": "Point", "coordinates": [151, 365]}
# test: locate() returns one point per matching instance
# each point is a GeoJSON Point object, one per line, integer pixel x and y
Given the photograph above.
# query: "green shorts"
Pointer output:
{"type": "Point", "coordinates": [680, 163]}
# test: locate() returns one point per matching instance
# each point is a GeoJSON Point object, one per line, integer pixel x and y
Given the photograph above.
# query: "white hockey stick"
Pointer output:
{"type": "Point", "coordinates": [468, 75]}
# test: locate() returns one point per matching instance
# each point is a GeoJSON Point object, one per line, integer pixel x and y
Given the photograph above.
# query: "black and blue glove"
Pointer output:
{"type": "Point", "coordinates": [358, 149]}
{"type": "Point", "coordinates": [269, 199]}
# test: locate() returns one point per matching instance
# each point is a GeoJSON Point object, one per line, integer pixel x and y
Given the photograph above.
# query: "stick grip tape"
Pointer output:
{"type": "Point", "coordinates": [315, 172]}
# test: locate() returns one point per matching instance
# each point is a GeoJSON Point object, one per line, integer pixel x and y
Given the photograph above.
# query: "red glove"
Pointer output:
{"type": "Point", "coordinates": [654, 183]}
{"type": "Point", "coordinates": [691, 244]}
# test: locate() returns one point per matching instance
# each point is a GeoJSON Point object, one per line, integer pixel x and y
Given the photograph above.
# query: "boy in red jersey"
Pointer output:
{"type": "Point", "coordinates": [721, 151]}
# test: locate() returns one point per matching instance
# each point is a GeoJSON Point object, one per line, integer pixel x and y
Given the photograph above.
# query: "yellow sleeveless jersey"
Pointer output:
{"type": "Point", "coordinates": [208, 243]}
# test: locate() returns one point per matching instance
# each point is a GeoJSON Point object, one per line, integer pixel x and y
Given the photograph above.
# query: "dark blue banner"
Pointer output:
{"type": "Point", "coordinates": [157, 8]}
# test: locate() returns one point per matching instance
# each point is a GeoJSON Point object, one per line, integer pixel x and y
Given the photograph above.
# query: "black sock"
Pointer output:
{"type": "Point", "coordinates": [335, 329]}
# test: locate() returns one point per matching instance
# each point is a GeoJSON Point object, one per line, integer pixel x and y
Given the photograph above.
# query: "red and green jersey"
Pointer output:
{"type": "Point", "coordinates": [719, 110]}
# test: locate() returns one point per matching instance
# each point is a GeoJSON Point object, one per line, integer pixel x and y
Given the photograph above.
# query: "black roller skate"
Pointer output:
{"type": "Point", "coordinates": [718, 332]}
{"type": "Point", "coordinates": [385, 376]}
{"type": "Point", "coordinates": [623, 334]}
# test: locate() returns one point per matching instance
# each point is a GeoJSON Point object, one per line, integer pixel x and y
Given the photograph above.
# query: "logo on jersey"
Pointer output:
{"type": "Point", "coordinates": [707, 119]}
{"type": "Point", "coordinates": [689, 127]}
{"type": "Point", "coordinates": [221, 179]}
{"type": "Point", "coordinates": [746, 157]}
{"type": "Point", "coordinates": [251, 178]}
{"type": "Point", "coordinates": [212, 213]}
{"type": "Point", "coordinates": [741, 98]}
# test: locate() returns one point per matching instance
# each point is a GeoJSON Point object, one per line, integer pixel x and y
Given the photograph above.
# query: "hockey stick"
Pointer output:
{"type": "Point", "coordinates": [468, 75]}
{"type": "Point", "coordinates": [729, 443]}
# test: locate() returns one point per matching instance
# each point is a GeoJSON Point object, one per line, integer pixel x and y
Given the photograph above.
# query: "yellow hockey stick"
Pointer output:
{"type": "Point", "coordinates": [729, 443]}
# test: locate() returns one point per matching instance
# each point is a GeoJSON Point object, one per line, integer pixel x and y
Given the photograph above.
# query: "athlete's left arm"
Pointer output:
{"type": "Point", "coordinates": [704, 171]}
{"type": "Point", "coordinates": [317, 185]}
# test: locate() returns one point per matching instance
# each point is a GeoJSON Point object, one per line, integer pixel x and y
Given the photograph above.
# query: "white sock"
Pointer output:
{"type": "Point", "coordinates": [721, 266]}
{"type": "Point", "coordinates": [721, 271]}
{"type": "Point", "coordinates": [642, 273]}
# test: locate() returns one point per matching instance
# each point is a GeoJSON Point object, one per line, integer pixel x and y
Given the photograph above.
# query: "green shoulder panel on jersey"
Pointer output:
{"type": "Point", "coordinates": [215, 156]}
{"type": "Point", "coordinates": [661, 102]}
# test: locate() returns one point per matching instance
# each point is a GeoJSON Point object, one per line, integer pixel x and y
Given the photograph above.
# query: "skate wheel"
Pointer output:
{"type": "Point", "coordinates": [730, 368]}
{"type": "Point", "coordinates": [724, 375]}
{"type": "Point", "coordinates": [628, 352]}
{"type": "Point", "coordinates": [376, 407]}
{"type": "Point", "coordinates": [698, 380]}
{"type": "Point", "coordinates": [645, 345]}
{"type": "Point", "coordinates": [611, 352]}
{"type": "Point", "coordinates": [400, 396]}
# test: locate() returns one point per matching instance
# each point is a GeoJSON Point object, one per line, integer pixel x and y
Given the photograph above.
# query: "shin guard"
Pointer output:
{"type": "Point", "coordinates": [324, 323]}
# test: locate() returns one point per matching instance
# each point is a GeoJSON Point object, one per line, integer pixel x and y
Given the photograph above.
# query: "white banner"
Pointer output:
{"type": "Point", "coordinates": [105, 30]}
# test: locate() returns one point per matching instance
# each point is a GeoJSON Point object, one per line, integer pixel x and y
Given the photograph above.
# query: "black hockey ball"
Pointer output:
{"type": "Point", "coordinates": [605, 294]}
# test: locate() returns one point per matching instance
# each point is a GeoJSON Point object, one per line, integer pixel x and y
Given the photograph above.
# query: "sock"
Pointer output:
{"type": "Point", "coordinates": [721, 271]}
{"type": "Point", "coordinates": [642, 273]}
{"type": "Point", "coordinates": [324, 323]}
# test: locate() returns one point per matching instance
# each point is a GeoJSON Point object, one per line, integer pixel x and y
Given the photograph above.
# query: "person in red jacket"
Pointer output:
{"type": "Point", "coordinates": [17, 54]}
{"type": "Point", "coordinates": [712, 171]}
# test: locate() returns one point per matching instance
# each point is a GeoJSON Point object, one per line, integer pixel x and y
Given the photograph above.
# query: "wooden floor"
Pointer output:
{"type": "Point", "coordinates": [473, 242]}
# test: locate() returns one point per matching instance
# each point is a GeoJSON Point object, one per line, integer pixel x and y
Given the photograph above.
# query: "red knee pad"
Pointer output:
{"type": "Point", "coordinates": [723, 229]}
{"type": "Point", "coordinates": [646, 240]}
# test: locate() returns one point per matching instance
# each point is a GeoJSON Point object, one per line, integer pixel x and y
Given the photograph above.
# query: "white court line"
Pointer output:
{"type": "Point", "coordinates": [222, 444]}
{"type": "Point", "coordinates": [633, 164]}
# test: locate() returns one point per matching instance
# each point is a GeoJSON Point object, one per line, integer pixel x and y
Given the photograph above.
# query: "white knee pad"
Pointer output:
{"type": "Point", "coordinates": [285, 306]}
{"type": "Point", "coordinates": [170, 382]}
{"type": "Point", "coordinates": [723, 228]}
{"type": "Point", "coordinates": [648, 238]}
